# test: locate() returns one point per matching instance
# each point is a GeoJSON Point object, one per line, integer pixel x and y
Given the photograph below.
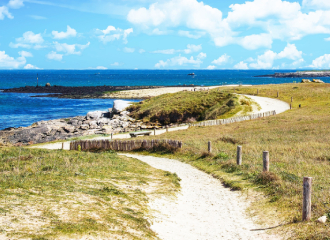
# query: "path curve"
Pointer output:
{"type": "Point", "coordinates": [269, 104]}
{"type": "Point", "coordinates": [203, 209]}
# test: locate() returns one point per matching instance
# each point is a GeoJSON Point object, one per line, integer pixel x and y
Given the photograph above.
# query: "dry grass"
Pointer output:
{"type": "Point", "coordinates": [73, 195]}
{"type": "Point", "coordinates": [298, 142]}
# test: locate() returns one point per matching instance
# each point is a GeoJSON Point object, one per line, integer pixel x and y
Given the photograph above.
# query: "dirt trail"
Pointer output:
{"type": "Point", "coordinates": [203, 209]}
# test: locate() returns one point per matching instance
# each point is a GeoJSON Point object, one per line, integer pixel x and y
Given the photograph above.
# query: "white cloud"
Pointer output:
{"type": "Point", "coordinates": [256, 41]}
{"type": "Point", "coordinates": [70, 32]}
{"type": "Point", "coordinates": [320, 4]}
{"type": "Point", "coordinates": [241, 65]}
{"type": "Point", "coordinates": [166, 51]}
{"type": "Point", "coordinates": [129, 50]}
{"type": "Point", "coordinates": [15, 4]}
{"type": "Point", "coordinates": [28, 40]}
{"type": "Point", "coordinates": [327, 39]}
{"type": "Point", "coordinates": [189, 13]}
{"type": "Point", "coordinates": [142, 51]}
{"type": "Point", "coordinates": [115, 64]}
{"type": "Point", "coordinates": [54, 56]}
{"type": "Point", "coordinates": [188, 34]}
{"type": "Point", "coordinates": [30, 66]}
{"type": "Point", "coordinates": [25, 54]}
{"type": "Point", "coordinates": [101, 68]}
{"type": "Point", "coordinates": [201, 55]}
{"type": "Point", "coordinates": [221, 60]}
{"type": "Point", "coordinates": [5, 13]}
{"type": "Point", "coordinates": [8, 62]}
{"type": "Point", "coordinates": [70, 49]}
{"type": "Point", "coordinates": [250, 12]}
{"type": "Point", "coordinates": [111, 34]}
{"type": "Point", "coordinates": [321, 62]}
{"type": "Point", "coordinates": [266, 60]}
{"type": "Point", "coordinates": [179, 61]}
{"type": "Point", "coordinates": [211, 67]}
{"type": "Point", "coordinates": [156, 31]}
{"type": "Point", "coordinates": [190, 49]}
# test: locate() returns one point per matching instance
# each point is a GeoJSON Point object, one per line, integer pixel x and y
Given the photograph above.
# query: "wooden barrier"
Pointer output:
{"type": "Point", "coordinates": [232, 120]}
{"type": "Point", "coordinates": [307, 202]}
{"type": "Point", "coordinates": [122, 145]}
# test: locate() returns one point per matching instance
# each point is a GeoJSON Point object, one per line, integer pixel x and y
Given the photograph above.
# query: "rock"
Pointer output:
{"type": "Point", "coordinates": [305, 81]}
{"type": "Point", "coordinates": [93, 125]}
{"type": "Point", "coordinates": [73, 122]}
{"type": "Point", "coordinates": [322, 219]}
{"type": "Point", "coordinates": [84, 126]}
{"type": "Point", "coordinates": [97, 115]}
{"type": "Point", "coordinates": [47, 85]}
{"type": "Point", "coordinates": [317, 81]}
{"type": "Point", "coordinates": [124, 113]}
{"type": "Point", "coordinates": [69, 129]}
{"type": "Point", "coordinates": [120, 105]}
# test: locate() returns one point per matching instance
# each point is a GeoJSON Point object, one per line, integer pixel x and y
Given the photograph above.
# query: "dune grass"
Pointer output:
{"type": "Point", "coordinates": [189, 107]}
{"type": "Point", "coordinates": [73, 195]}
{"type": "Point", "coordinates": [298, 142]}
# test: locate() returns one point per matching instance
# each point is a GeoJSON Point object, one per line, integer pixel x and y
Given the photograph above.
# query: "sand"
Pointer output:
{"type": "Point", "coordinates": [203, 209]}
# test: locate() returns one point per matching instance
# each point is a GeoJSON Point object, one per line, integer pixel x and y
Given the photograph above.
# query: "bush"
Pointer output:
{"type": "Point", "coordinates": [266, 178]}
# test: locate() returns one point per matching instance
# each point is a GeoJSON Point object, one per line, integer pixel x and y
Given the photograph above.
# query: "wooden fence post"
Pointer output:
{"type": "Point", "coordinates": [111, 136]}
{"type": "Point", "coordinates": [167, 129]}
{"type": "Point", "coordinates": [278, 94]}
{"type": "Point", "coordinates": [307, 202]}
{"type": "Point", "coordinates": [155, 131]}
{"type": "Point", "coordinates": [266, 161]}
{"type": "Point", "coordinates": [291, 99]}
{"type": "Point", "coordinates": [257, 91]}
{"type": "Point", "coordinates": [290, 105]}
{"type": "Point", "coordinates": [239, 155]}
{"type": "Point", "coordinates": [62, 145]}
{"type": "Point", "coordinates": [209, 147]}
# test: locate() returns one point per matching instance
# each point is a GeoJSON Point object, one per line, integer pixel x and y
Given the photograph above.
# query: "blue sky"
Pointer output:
{"type": "Point", "coordinates": [164, 34]}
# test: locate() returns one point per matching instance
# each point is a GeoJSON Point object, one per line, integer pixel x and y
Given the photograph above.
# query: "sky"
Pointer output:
{"type": "Point", "coordinates": [164, 34]}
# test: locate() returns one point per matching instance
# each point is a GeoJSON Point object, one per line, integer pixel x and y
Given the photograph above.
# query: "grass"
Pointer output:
{"type": "Point", "coordinates": [189, 107]}
{"type": "Point", "coordinates": [298, 142]}
{"type": "Point", "coordinates": [72, 195]}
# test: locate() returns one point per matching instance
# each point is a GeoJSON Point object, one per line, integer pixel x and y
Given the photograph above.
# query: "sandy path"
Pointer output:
{"type": "Point", "coordinates": [203, 209]}
{"type": "Point", "coordinates": [269, 104]}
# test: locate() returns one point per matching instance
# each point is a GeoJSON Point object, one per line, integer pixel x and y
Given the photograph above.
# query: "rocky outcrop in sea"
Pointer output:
{"type": "Point", "coordinates": [116, 120]}
{"type": "Point", "coordinates": [305, 74]}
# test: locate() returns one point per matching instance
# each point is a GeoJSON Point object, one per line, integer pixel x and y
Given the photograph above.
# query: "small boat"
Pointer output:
{"type": "Point", "coordinates": [191, 74]}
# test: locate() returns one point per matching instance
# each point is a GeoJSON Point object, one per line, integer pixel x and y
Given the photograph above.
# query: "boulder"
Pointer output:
{"type": "Point", "coordinates": [120, 105]}
{"type": "Point", "coordinates": [305, 81]}
{"type": "Point", "coordinates": [84, 126]}
{"type": "Point", "coordinates": [97, 115]}
{"type": "Point", "coordinates": [317, 81]}
{"type": "Point", "coordinates": [69, 129]}
{"type": "Point", "coordinates": [322, 219]}
{"type": "Point", "coordinates": [47, 85]}
{"type": "Point", "coordinates": [93, 125]}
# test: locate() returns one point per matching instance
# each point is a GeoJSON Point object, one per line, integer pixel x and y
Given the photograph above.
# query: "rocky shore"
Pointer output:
{"type": "Point", "coordinates": [306, 74]}
{"type": "Point", "coordinates": [76, 92]}
{"type": "Point", "coordinates": [116, 120]}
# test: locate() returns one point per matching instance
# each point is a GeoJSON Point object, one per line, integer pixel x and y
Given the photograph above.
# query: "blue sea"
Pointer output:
{"type": "Point", "coordinates": [20, 109]}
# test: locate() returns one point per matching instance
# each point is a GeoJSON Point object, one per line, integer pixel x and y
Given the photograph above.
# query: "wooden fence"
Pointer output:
{"type": "Point", "coordinates": [122, 145]}
{"type": "Point", "coordinates": [232, 120]}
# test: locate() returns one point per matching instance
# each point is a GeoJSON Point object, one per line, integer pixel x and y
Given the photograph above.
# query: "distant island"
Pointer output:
{"type": "Point", "coordinates": [302, 74]}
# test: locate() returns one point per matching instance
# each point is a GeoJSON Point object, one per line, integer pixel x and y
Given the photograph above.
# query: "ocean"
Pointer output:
{"type": "Point", "coordinates": [20, 109]}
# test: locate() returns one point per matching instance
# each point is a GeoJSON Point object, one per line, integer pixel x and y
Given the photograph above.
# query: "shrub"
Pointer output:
{"type": "Point", "coordinates": [266, 178]}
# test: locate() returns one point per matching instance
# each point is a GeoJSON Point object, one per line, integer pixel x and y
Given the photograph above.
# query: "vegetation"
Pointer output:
{"type": "Point", "coordinates": [189, 107]}
{"type": "Point", "coordinates": [298, 142]}
{"type": "Point", "coordinates": [73, 195]}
